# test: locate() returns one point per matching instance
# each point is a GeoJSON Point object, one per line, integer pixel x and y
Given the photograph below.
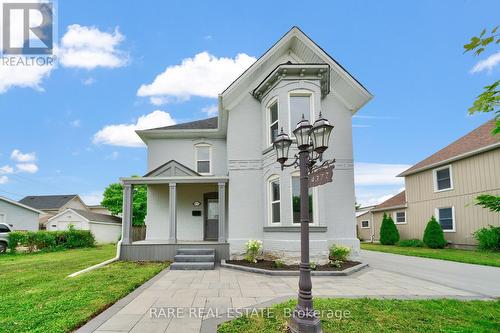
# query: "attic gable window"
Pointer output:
{"type": "Point", "coordinates": [273, 121]}
{"type": "Point", "coordinates": [203, 159]}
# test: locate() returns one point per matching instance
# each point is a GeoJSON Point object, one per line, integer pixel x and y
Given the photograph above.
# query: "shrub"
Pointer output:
{"type": "Point", "coordinates": [488, 238]}
{"type": "Point", "coordinates": [410, 243]}
{"type": "Point", "coordinates": [279, 263]}
{"type": "Point", "coordinates": [389, 234]}
{"type": "Point", "coordinates": [339, 253]}
{"type": "Point", "coordinates": [313, 265]}
{"type": "Point", "coordinates": [336, 263]}
{"type": "Point", "coordinates": [433, 235]}
{"type": "Point", "coordinates": [15, 238]}
{"type": "Point", "coordinates": [79, 238]}
{"type": "Point", "coordinates": [252, 246]}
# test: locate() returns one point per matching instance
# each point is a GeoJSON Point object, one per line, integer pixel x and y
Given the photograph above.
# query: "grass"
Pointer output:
{"type": "Point", "coordinates": [37, 296]}
{"type": "Point", "coordinates": [370, 315]}
{"type": "Point", "coordinates": [485, 258]}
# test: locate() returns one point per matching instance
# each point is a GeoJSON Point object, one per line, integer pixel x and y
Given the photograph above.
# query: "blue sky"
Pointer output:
{"type": "Point", "coordinates": [54, 139]}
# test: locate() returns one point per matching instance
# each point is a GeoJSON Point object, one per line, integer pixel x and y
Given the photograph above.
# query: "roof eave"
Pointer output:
{"type": "Point", "coordinates": [389, 208]}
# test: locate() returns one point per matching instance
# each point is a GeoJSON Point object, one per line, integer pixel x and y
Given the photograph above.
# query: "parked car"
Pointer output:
{"type": "Point", "coordinates": [4, 237]}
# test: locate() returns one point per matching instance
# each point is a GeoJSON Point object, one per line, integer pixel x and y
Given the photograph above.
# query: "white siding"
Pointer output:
{"type": "Point", "coordinates": [20, 218]}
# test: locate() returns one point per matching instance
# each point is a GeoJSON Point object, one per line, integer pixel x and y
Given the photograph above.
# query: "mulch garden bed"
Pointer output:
{"type": "Point", "coordinates": [270, 265]}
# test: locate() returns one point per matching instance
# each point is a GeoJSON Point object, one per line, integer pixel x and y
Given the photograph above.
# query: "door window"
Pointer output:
{"type": "Point", "coordinates": [213, 209]}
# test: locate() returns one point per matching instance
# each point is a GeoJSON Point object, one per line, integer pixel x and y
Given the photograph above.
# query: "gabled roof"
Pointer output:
{"type": "Point", "coordinates": [209, 123]}
{"type": "Point", "coordinates": [172, 169]}
{"type": "Point", "coordinates": [91, 216]}
{"type": "Point", "coordinates": [475, 142]}
{"type": "Point", "coordinates": [397, 201]}
{"type": "Point", "coordinates": [15, 203]}
{"type": "Point", "coordinates": [47, 201]}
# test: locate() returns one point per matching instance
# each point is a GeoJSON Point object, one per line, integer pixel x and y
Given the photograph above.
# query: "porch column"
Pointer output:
{"type": "Point", "coordinates": [128, 198]}
{"type": "Point", "coordinates": [222, 212]}
{"type": "Point", "coordinates": [173, 212]}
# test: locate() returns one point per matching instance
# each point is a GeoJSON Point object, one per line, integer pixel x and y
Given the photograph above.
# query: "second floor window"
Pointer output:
{"type": "Point", "coordinates": [273, 122]}
{"type": "Point", "coordinates": [442, 179]}
{"type": "Point", "coordinates": [300, 104]}
{"type": "Point", "coordinates": [203, 159]}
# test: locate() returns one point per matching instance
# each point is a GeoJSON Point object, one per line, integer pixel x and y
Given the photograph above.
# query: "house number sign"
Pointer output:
{"type": "Point", "coordinates": [321, 176]}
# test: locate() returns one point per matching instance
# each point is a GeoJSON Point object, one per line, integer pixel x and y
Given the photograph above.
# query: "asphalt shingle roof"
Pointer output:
{"type": "Point", "coordinates": [96, 217]}
{"type": "Point", "coordinates": [396, 201]}
{"type": "Point", "coordinates": [209, 123]}
{"type": "Point", "coordinates": [47, 201]}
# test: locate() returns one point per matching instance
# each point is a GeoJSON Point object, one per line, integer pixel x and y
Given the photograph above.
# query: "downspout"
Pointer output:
{"type": "Point", "coordinates": [102, 264]}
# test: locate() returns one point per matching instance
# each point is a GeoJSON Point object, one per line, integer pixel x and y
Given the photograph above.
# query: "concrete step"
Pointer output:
{"type": "Point", "coordinates": [195, 251]}
{"type": "Point", "coordinates": [194, 258]}
{"type": "Point", "coordinates": [192, 266]}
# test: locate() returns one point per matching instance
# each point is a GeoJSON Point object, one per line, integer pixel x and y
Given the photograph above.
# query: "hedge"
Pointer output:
{"type": "Point", "coordinates": [488, 238]}
{"type": "Point", "coordinates": [51, 240]}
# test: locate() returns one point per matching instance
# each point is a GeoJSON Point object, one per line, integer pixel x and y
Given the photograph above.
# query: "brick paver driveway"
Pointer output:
{"type": "Point", "coordinates": [223, 289]}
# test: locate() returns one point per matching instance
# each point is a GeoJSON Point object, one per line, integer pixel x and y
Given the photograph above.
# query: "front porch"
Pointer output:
{"type": "Point", "coordinates": [184, 212]}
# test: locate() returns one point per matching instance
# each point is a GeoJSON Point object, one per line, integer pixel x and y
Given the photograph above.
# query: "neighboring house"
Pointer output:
{"type": "Point", "coordinates": [18, 216]}
{"type": "Point", "coordinates": [445, 185]}
{"type": "Point", "coordinates": [105, 228]}
{"type": "Point", "coordinates": [215, 183]}
{"type": "Point", "coordinates": [53, 204]}
{"type": "Point", "coordinates": [99, 209]}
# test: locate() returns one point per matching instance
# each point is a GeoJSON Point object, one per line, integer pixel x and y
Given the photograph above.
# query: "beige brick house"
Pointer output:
{"type": "Point", "coordinates": [444, 185]}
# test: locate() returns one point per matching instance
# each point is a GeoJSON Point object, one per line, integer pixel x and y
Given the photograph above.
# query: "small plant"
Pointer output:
{"type": "Point", "coordinates": [279, 263]}
{"type": "Point", "coordinates": [336, 263]}
{"type": "Point", "coordinates": [389, 234]}
{"type": "Point", "coordinates": [410, 243]}
{"type": "Point", "coordinates": [433, 235]}
{"type": "Point", "coordinates": [488, 238]}
{"type": "Point", "coordinates": [339, 253]}
{"type": "Point", "coordinates": [313, 265]}
{"type": "Point", "coordinates": [253, 247]}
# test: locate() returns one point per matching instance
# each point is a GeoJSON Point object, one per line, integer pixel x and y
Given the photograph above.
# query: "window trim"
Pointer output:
{"type": "Point", "coordinates": [300, 92]}
{"type": "Point", "coordinates": [361, 224]}
{"type": "Point", "coordinates": [395, 217]}
{"type": "Point", "coordinates": [436, 213]}
{"type": "Point", "coordinates": [270, 201]}
{"type": "Point", "coordinates": [434, 174]}
{"type": "Point", "coordinates": [314, 197]}
{"type": "Point", "coordinates": [196, 160]}
{"type": "Point", "coordinates": [273, 101]}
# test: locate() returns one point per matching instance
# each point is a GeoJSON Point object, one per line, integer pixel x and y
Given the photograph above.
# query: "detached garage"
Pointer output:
{"type": "Point", "coordinates": [105, 228]}
{"type": "Point", "coordinates": [18, 216]}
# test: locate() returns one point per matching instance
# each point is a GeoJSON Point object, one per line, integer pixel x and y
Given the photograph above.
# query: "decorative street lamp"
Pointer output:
{"type": "Point", "coordinates": [312, 141]}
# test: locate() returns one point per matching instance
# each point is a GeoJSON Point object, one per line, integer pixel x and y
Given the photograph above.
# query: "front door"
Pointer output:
{"type": "Point", "coordinates": [211, 228]}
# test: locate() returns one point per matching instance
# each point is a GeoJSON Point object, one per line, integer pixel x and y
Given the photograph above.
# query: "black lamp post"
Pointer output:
{"type": "Point", "coordinates": [311, 140]}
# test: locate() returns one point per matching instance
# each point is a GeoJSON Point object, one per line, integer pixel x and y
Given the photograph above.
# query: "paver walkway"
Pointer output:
{"type": "Point", "coordinates": [222, 288]}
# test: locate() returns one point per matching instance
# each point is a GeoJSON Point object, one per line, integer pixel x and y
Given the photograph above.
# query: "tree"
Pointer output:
{"type": "Point", "coordinates": [491, 202]}
{"type": "Point", "coordinates": [489, 100]}
{"type": "Point", "coordinates": [389, 234]}
{"type": "Point", "coordinates": [433, 235]}
{"type": "Point", "coordinates": [113, 201]}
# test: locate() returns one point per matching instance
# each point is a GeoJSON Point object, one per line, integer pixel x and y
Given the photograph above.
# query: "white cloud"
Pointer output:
{"type": "Point", "coordinates": [378, 174]}
{"type": "Point", "coordinates": [487, 64]}
{"type": "Point", "coordinates": [4, 179]}
{"type": "Point", "coordinates": [92, 198]}
{"type": "Point", "coordinates": [27, 167]}
{"type": "Point", "coordinates": [6, 169]}
{"type": "Point", "coordinates": [88, 47]}
{"type": "Point", "coordinates": [18, 156]}
{"type": "Point", "coordinates": [211, 110]}
{"type": "Point", "coordinates": [124, 134]}
{"type": "Point", "coordinates": [205, 75]}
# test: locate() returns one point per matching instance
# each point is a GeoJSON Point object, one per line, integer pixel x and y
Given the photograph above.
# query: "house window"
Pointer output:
{"type": "Point", "coordinates": [442, 179]}
{"type": "Point", "coordinates": [203, 159]}
{"type": "Point", "coordinates": [446, 218]}
{"type": "Point", "coordinates": [296, 201]}
{"type": "Point", "coordinates": [300, 104]}
{"type": "Point", "coordinates": [365, 224]}
{"type": "Point", "coordinates": [275, 200]}
{"type": "Point", "coordinates": [273, 122]}
{"type": "Point", "coordinates": [400, 217]}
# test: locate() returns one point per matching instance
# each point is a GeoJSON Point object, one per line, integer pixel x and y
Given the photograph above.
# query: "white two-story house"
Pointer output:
{"type": "Point", "coordinates": [215, 183]}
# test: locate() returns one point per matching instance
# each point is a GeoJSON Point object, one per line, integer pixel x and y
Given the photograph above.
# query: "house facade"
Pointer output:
{"type": "Point", "coordinates": [18, 216]}
{"type": "Point", "coordinates": [445, 186]}
{"type": "Point", "coordinates": [216, 183]}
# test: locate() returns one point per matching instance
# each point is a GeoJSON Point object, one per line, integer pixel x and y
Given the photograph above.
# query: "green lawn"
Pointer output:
{"type": "Point", "coordinates": [37, 296]}
{"type": "Point", "coordinates": [471, 257]}
{"type": "Point", "coordinates": [369, 315]}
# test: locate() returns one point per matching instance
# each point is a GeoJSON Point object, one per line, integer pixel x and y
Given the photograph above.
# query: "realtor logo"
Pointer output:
{"type": "Point", "coordinates": [27, 28]}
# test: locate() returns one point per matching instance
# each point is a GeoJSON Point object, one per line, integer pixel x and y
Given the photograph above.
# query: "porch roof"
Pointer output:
{"type": "Point", "coordinates": [174, 179]}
